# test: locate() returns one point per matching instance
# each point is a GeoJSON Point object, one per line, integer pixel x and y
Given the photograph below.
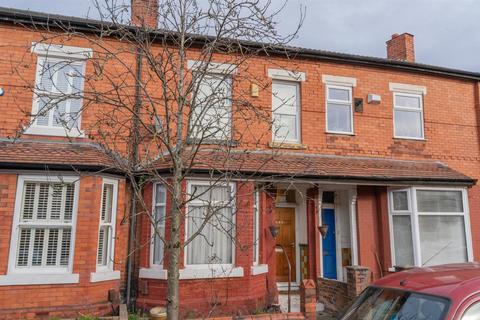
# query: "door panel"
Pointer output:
{"type": "Point", "coordinates": [329, 245]}
{"type": "Point", "coordinates": [285, 220]}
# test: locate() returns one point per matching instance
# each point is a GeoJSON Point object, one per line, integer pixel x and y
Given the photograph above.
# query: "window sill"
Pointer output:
{"type": "Point", "coordinates": [38, 278]}
{"type": "Point", "coordinates": [193, 273]}
{"type": "Point", "coordinates": [287, 145]}
{"type": "Point", "coordinates": [411, 139]}
{"type": "Point", "coordinates": [211, 272]}
{"type": "Point", "coordinates": [221, 142]}
{"type": "Point", "coordinates": [104, 276]}
{"type": "Point", "coordinates": [259, 269]}
{"type": "Point", "coordinates": [153, 273]}
{"type": "Point", "coordinates": [351, 134]}
{"type": "Point", "coordinates": [58, 132]}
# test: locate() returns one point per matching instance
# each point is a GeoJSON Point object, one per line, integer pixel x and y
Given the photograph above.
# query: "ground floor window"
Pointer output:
{"type": "Point", "coordinates": [210, 224]}
{"type": "Point", "coordinates": [429, 226]}
{"type": "Point", "coordinates": [256, 227]}
{"type": "Point", "coordinates": [43, 226]}
{"type": "Point", "coordinates": [158, 228]}
{"type": "Point", "coordinates": [106, 232]}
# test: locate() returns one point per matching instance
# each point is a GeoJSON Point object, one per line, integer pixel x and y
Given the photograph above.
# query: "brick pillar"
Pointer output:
{"type": "Point", "coordinates": [268, 244]}
{"type": "Point", "coordinates": [358, 278]}
{"type": "Point", "coordinates": [308, 299]}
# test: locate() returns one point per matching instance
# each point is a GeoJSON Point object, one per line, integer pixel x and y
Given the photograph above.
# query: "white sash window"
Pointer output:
{"type": "Point", "coordinates": [58, 90]}
{"type": "Point", "coordinates": [106, 232]}
{"type": "Point", "coordinates": [286, 111]}
{"type": "Point", "coordinates": [429, 226]}
{"type": "Point", "coordinates": [210, 218]}
{"type": "Point", "coordinates": [158, 229]}
{"type": "Point", "coordinates": [43, 226]}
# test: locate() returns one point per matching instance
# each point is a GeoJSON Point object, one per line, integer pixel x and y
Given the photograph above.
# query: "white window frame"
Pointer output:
{"type": "Point", "coordinates": [297, 113]}
{"type": "Point", "coordinates": [152, 228]}
{"type": "Point", "coordinates": [40, 275]}
{"type": "Point", "coordinates": [225, 267]}
{"type": "Point", "coordinates": [408, 109]}
{"type": "Point", "coordinates": [56, 53]}
{"type": "Point", "coordinates": [111, 241]}
{"type": "Point", "coordinates": [414, 215]}
{"type": "Point", "coordinates": [227, 78]}
{"type": "Point", "coordinates": [256, 229]}
{"type": "Point", "coordinates": [342, 102]}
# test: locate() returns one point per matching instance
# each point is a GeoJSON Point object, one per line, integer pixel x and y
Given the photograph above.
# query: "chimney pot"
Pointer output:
{"type": "Point", "coordinates": [401, 47]}
{"type": "Point", "coordinates": [145, 13]}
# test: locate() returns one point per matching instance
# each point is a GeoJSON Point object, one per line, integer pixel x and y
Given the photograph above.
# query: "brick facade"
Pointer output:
{"type": "Point", "coordinates": [451, 111]}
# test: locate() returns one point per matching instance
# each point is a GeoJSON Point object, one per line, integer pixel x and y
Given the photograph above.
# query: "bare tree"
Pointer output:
{"type": "Point", "coordinates": [157, 98]}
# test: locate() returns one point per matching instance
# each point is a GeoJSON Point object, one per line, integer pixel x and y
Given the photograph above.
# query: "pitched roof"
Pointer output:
{"type": "Point", "coordinates": [27, 17]}
{"type": "Point", "coordinates": [323, 167]}
{"type": "Point", "coordinates": [31, 154]}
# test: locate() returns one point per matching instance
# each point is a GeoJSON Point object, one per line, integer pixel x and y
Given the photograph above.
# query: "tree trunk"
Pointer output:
{"type": "Point", "coordinates": [174, 251]}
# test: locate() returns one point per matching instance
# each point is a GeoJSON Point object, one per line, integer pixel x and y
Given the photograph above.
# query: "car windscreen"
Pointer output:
{"type": "Point", "coordinates": [390, 304]}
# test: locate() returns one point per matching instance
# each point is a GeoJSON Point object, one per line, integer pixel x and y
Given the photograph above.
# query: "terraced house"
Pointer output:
{"type": "Point", "coordinates": [370, 167]}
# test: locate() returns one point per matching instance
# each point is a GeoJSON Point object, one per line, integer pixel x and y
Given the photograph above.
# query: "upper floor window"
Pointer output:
{"type": "Point", "coordinates": [286, 111]}
{"type": "Point", "coordinates": [58, 90]}
{"type": "Point", "coordinates": [339, 113]}
{"type": "Point", "coordinates": [211, 113]}
{"type": "Point", "coordinates": [408, 110]}
{"type": "Point", "coordinates": [43, 227]}
{"type": "Point", "coordinates": [339, 109]}
{"type": "Point", "coordinates": [106, 232]}
{"type": "Point", "coordinates": [408, 115]}
{"type": "Point", "coordinates": [210, 223]}
{"type": "Point", "coordinates": [158, 229]}
{"type": "Point", "coordinates": [429, 226]}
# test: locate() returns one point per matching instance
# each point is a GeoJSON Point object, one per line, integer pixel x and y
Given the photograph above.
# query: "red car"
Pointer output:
{"type": "Point", "coordinates": [448, 292]}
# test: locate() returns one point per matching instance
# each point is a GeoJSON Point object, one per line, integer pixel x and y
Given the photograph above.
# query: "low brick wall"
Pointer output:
{"type": "Point", "coordinates": [332, 294]}
{"type": "Point", "coordinates": [269, 316]}
{"type": "Point", "coordinates": [336, 295]}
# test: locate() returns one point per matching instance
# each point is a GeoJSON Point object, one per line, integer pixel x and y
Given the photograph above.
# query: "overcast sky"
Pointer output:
{"type": "Point", "coordinates": [447, 32]}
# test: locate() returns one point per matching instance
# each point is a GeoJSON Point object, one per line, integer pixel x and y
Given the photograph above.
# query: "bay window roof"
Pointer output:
{"type": "Point", "coordinates": [273, 164]}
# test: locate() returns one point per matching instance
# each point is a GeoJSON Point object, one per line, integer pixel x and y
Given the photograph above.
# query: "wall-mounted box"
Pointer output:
{"type": "Point", "coordinates": [374, 98]}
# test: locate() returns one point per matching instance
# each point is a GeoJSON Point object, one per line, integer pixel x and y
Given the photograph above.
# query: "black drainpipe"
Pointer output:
{"type": "Point", "coordinates": [131, 288]}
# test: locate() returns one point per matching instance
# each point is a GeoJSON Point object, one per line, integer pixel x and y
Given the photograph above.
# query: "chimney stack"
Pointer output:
{"type": "Point", "coordinates": [145, 13]}
{"type": "Point", "coordinates": [401, 47]}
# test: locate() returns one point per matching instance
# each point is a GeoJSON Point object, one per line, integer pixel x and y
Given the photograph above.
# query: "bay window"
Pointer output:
{"type": "Point", "coordinates": [256, 227]}
{"type": "Point", "coordinates": [210, 224]}
{"type": "Point", "coordinates": [43, 226]}
{"type": "Point", "coordinates": [106, 232]}
{"type": "Point", "coordinates": [429, 226]}
{"type": "Point", "coordinates": [158, 229]}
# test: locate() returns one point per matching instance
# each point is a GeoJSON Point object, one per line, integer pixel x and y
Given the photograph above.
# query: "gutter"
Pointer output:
{"type": "Point", "coordinates": [60, 167]}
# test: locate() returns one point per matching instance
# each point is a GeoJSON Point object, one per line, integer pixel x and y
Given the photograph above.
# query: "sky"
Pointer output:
{"type": "Point", "coordinates": [447, 32]}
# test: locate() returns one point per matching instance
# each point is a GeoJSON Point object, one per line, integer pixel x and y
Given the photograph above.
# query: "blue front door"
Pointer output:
{"type": "Point", "coordinates": [329, 245]}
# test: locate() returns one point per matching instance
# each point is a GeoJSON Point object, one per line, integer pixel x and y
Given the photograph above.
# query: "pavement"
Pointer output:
{"type": "Point", "coordinates": [325, 316]}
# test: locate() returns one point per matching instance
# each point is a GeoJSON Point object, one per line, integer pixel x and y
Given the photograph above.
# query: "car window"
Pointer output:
{"type": "Point", "coordinates": [473, 312]}
{"type": "Point", "coordinates": [390, 304]}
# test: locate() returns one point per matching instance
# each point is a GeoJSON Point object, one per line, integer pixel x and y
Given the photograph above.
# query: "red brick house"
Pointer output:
{"type": "Point", "coordinates": [385, 152]}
